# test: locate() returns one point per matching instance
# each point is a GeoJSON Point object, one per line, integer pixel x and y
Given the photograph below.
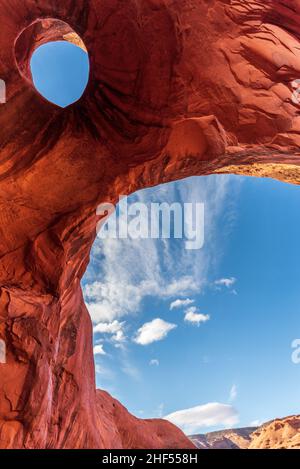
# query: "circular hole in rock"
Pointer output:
{"type": "Point", "coordinates": [60, 72]}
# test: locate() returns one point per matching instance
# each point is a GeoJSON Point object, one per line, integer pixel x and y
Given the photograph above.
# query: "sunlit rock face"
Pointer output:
{"type": "Point", "coordinates": [278, 434]}
{"type": "Point", "coordinates": [237, 438]}
{"type": "Point", "coordinates": [177, 88]}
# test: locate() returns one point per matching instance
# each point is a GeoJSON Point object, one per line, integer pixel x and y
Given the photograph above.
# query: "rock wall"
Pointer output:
{"type": "Point", "coordinates": [177, 88]}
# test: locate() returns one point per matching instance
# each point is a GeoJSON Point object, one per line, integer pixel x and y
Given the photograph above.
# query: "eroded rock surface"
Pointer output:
{"type": "Point", "coordinates": [177, 88]}
{"type": "Point", "coordinates": [281, 433]}
{"type": "Point", "coordinates": [278, 434]}
{"type": "Point", "coordinates": [237, 438]}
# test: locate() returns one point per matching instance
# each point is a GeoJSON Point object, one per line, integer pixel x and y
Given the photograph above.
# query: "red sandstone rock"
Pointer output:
{"type": "Point", "coordinates": [119, 429]}
{"type": "Point", "coordinates": [177, 88]}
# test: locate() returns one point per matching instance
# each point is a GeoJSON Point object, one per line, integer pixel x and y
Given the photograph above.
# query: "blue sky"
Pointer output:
{"type": "Point", "coordinates": [234, 369]}
{"type": "Point", "coordinates": [60, 72]}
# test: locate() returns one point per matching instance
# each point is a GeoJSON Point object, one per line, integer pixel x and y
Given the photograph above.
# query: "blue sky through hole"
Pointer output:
{"type": "Point", "coordinates": [60, 72]}
{"type": "Point", "coordinates": [235, 369]}
{"type": "Point", "coordinates": [237, 366]}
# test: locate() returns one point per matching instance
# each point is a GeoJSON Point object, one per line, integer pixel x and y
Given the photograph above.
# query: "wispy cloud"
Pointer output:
{"type": "Point", "coordinates": [130, 370]}
{"type": "Point", "coordinates": [117, 298]}
{"type": "Point", "coordinates": [153, 331]}
{"type": "Point", "coordinates": [124, 272]}
{"type": "Point", "coordinates": [226, 282]}
{"type": "Point", "coordinates": [99, 350]}
{"type": "Point", "coordinates": [191, 315]}
{"type": "Point", "coordinates": [195, 419]}
{"type": "Point", "coordinates": [104, 372]}
{"type": "Point", "coordinates": [160, 410]}
{"type": "Point", "coordinates": [255, 423]}
{"type": "Point", "coordinates": [233, 393]}
{"type": "Point", "coordinates": [181, 303]}
{"type": "Point", "coordinates": [115, 329]}
{"type": "Point", "coordinates": [154, 362]}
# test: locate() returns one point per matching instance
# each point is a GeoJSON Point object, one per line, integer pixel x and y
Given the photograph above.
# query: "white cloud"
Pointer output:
{"type": "Point", "coordinates": [117, 298]}
{"type": "Point", "coordinates": [153, 331]}
{"type": "Point", "coordinates": [119, 336]}
{"type": "Point", "coordinates": [108, 327]}
{"type": "Point", "coordinates": [98, 350]}
{"type": "Point", "coordinates": [181, 303]}
{"type": "Point", "coordinates": [233, 393]}
{"type": "Point", "coordinates": [192, 316]}
{"type": "Point", "coordinates": [154, 362]}
{"type": "Point", "coordinates": [226, 282]}
{"type": "Point", "coordinates": [255, 423]}
{"type": "Point", "coordinates": [214, 414]}
{"type": "Point", "coordinates": [114, 328]}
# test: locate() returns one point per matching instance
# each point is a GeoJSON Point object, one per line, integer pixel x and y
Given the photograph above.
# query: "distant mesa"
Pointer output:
{"type": "Point", "coordinates": [278, 434]}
